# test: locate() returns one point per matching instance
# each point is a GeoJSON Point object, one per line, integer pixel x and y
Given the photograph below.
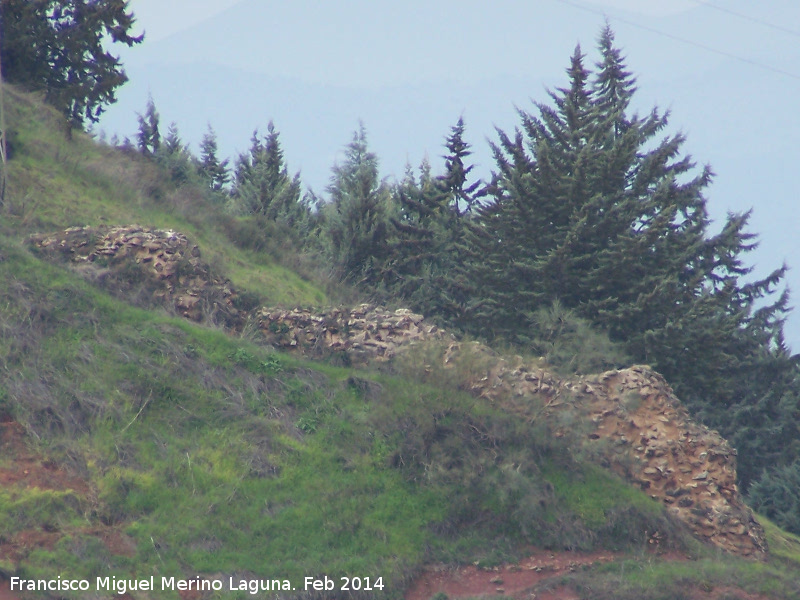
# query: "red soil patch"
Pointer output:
{"type": "Point", "coordinates": [509, 580]}
{"type": "Point", "coordinates": [521, 580]}
{"type": "Point", "coordinates": [29, 470]}
{"type": "Point", "coordinates": [5, 591]}
{"type": "Point", "coordinates": [21, 544]}
{"type": "Point", "coordinates": [21, 468]}
{"type": "Point", "coordinates": [115, 541]}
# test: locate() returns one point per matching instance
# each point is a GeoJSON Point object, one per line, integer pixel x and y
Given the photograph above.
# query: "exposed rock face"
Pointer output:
{"type": "Point", "coordinates": [657, 446]}
{"type": "Point", "coordinates": [634, 421]}
{"type": "Point", "coordinates": [630, 417]}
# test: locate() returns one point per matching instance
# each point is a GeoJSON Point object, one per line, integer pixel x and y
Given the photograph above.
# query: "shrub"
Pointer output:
{"type": "Point", "coordinates": [571, 344]}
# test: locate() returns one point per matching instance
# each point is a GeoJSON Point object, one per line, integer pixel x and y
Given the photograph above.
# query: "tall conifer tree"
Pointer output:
{"type": "Point", "coordinates": [590, 207]}
{"type": "Point", "coordinates": [263, 185]}
{"type": "Point", "coordinates": [175, 156]}
{"type": "Point", "coordinates": [428, 234]}
{"type": "Point", "coordinates": [214, 171]}
{"type": "Point", "coordinates": [148, 136]}
{"type": "Point", "coordinates": [356, 218]}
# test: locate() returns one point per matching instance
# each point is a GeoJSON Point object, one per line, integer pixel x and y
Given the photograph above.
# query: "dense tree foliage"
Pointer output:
{"type": "Point", "coordinates": [775, 495]}
{"type": "Point", "coordinates": [598, 210]}
{"type": "Point", "coordinates": [58, 46]}
{"type": "Point", "coordinates": [356, 219]}
{"type": "Point", "coordinates": [172, 141]}
{"type": "Point", "coordinates": [148, 136]}
{"type": "Point", "coordinates": [428, 234]}
{"type": "Point", "coordinates": [175, 157]}
{"type": "Point", "coordinates": [211, 168]}
{"type": "Point", "coordinates": [588, 207]}
{"type": "Point", "coordinates": [263, 186]}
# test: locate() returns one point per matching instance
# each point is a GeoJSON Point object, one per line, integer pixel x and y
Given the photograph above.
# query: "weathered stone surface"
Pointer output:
{"type": "Point", "coordinates": [683, 466]}
{"type": "Point", "coordinates": [671, 456]}
{"type": "Point", "coordinates": [165, 260]}
{"type": "Point", "coordinates": [634, 419]}
{"type": "Point", "coordinates": [366, 332]}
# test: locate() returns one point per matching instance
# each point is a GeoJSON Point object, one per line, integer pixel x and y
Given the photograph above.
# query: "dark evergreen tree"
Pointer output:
{"type": "Point", "coordinates": [172, 141]}
{"type": "Point", "coordinates": [462, 195]}
{"type": "Point", "coordinates": [775, 495]}
{"type": "Point", "coordinates": [415, 238]}
{"type": "Point", "coordinates": [453, 280]}
{"type": "Point", "coordinates": [246, 161]}
{"type": "Point", "coordinates": [762, 416]}
{"type": "Point", "coordinates": [428, 235]}
{"type": "Point", "coordinates": [175, 157]}
{"type": "Point", "coordinates": [355, 221]}
{"type": "Point", "coordinates": [590, 207]}
{"type": "Point", "coordinates": [148, 136]}
{"type": "Point", "coordinates": [263, 185]}
{"type": "Point", "coordinates": [214, 171]}
{"type": "Point", "coordinates": [58, 46]}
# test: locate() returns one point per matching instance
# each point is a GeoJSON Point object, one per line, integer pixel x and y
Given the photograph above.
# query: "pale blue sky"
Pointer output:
{"type": "Point", "coordinates": [410, 69]}
{"type": "Point", "coordinates": [163, 19]}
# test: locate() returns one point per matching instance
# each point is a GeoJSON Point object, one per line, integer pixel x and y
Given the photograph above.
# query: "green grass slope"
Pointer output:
{"type": "Point", "coordinates": [56, 182]}
{"type": "Point", "coordinates": [217, 456]}
{"type": "Point", "coordinates": [183, 451]}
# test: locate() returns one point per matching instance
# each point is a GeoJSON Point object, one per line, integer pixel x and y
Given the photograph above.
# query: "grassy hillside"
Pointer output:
{"type": "Point", "coordinates": [214, 455]}
{"type": "Point", "coordinates": [56, 182]}
{"type": "Point", "coordinates": [166, 448]}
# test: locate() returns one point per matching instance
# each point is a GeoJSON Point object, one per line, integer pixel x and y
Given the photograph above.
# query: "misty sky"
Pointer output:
{"type": "Point", "coordinates": [729, 72]}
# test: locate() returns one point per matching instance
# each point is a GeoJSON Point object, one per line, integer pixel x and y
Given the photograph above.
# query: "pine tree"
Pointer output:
{"type": "Point", "coordinates": [246, 161]}
{"type": "Point", "coordinates": [175, 157]}
{"type": "Point", "coordinates": [148, 136]}
{"type": "Point", "coordinates": [775, 495]}
{"type": "Point", "coordinates": [415, 239]}
{"type": "Point", "coordinates": [210, 167]}
{"type": "Point", "coordinates": [533, 200]}
{"type": "Point", "coordinates": [172, 141]}
{"type": "Point", "coordinates": [355, 221]}
{"type": "Point", "coordinates": [428, 234]}
{"type": "Point", "coordinates": [463, 196]}
{"type": "Point", "coordinates": [590, 209]}
{"type": "Point", "coordinates": [597, 211]}
{"type": "Point", "coordinates": [263, 185]}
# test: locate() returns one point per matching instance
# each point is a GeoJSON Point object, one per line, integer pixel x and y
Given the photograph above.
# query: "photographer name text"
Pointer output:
{"type": "Point", "coordinates": [149, 584]}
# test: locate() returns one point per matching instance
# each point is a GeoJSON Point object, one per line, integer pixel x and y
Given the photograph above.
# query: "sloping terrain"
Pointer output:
{"type": "Point", "coordinates": [137, 442]}
{"type": "Point", "coordinates": [646, 435]}
{"type": "Point", "coordinates": [55, 183]}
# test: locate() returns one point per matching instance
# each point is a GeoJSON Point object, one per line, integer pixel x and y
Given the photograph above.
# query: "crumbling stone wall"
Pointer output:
{"type": "Point", "coordinates": [634, 421]}
{"type": "Point", "coordinates": [366, 332]}
{"type": "Point", "coordinates": [689, 467]}
{"type": "Point", "coordinates": [164, 259]}
{"type": "Point", "coordinates": [632, 417]}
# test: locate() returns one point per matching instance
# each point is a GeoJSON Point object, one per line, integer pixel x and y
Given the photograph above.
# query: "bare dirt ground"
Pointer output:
{"type": "Point", "coordinates": [535, 578]}
{"type": "Point", "coordinates": [5, 591]}
{"type": "Point", "coordinates": [514, 581]}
